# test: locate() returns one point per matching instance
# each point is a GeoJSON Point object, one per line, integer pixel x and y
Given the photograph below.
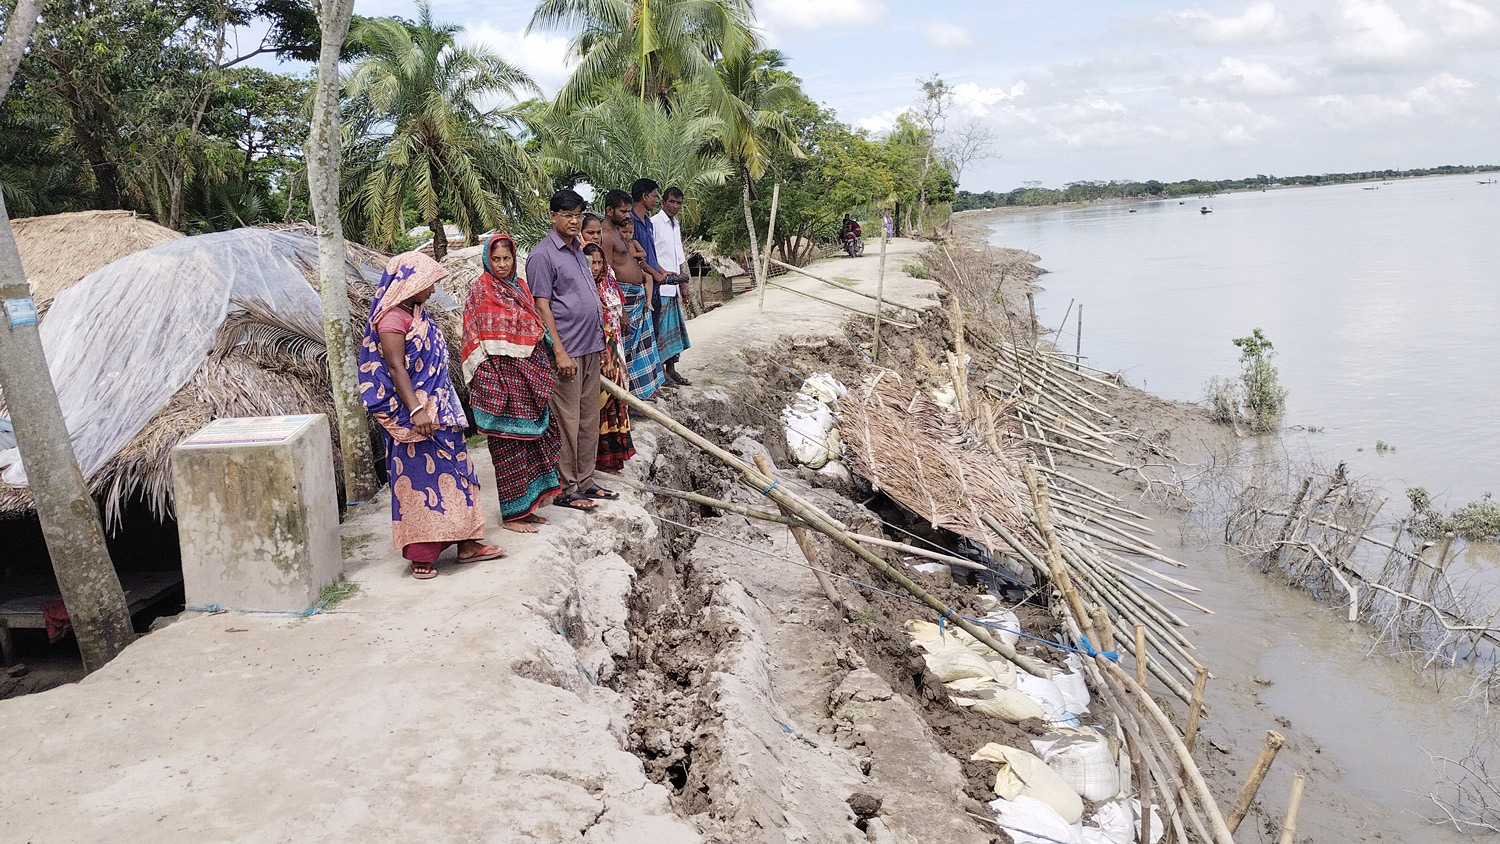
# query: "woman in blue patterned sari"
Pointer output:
{"type": "Point", "coordinates": [403, 381]}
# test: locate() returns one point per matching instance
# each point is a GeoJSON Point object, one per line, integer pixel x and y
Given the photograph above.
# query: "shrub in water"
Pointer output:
{"type": "Point", "coordinates": [1264, 397]}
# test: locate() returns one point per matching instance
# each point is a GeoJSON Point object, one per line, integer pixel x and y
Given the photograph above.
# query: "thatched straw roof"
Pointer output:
{"type": "Point", "coordinates": [266, 358]}
{"type": "Point", "coordinates": [60, 249]}
{"type": "Point", "coordinates": [926, 457]}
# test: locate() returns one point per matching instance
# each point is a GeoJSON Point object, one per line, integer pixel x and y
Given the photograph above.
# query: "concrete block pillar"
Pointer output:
{"type": "Point", "coordinates": [257, 512]}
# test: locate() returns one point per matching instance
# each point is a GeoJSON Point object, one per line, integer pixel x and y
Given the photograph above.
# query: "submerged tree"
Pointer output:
{"type": "Point", "coordinates": [420, 133]}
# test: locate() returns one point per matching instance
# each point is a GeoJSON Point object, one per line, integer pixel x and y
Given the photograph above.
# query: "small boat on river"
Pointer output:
{"type": "Point", "coordinates": [1205, 210]}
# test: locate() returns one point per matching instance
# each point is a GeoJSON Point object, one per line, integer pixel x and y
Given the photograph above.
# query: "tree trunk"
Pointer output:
{"type": "Point", "coordinates": [17, 35]}
{"type": "Point", "coordinates": [70, 519]}
{"type": "Point", "coordinates": [439, 239]}
{"type": "Point", "coordinates": [323, 191]}
{"type": "Point", "coordinates": [176, 203]}
{"type": "Point", "coordinates": [750, 227]}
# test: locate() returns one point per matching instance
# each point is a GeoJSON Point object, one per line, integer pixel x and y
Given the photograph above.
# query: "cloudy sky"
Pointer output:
{"type": "Point", "coordinates": [1129, 89]}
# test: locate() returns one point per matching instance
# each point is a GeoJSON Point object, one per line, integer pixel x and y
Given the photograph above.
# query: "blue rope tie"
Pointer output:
{"type": "Point", "coordinates": [774, 484]}
{"type": "Point", "coordinates": [1087, 648]}
{"type": "Point", "coordinates": [214, 609]}
{"type": "Point", "coordinates": [943, 625]}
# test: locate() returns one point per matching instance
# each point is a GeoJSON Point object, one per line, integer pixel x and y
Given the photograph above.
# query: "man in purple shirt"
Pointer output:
{"type": "Point", "coordinates": [568, 302]}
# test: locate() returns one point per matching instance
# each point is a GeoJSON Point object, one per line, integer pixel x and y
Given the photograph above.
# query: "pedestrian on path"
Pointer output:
{"type": "Point", "coordinates": [643, 365]}
{"type": "Point", "coordinates": [508, 368]}
{"type": "Point", "coordinates": [615, 444]}
{"type": "Point", "coordinates": [404, 384]}
{"type": "Point", "coordinates": [568, 301]}
{"type": "Point", "coordinates": [671, 331]}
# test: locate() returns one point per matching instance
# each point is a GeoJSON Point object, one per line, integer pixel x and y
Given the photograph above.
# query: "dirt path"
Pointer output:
{"type": "Point", "coordinates": [479, 706]}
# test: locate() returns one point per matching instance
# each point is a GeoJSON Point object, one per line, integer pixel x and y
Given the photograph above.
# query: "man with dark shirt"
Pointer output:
{"type": "Point", "coordinates": [644, 197]}
{"type": "Point", "coordinates": [568, 302]}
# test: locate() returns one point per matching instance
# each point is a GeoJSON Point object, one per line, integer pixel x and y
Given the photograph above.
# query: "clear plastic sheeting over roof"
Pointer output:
{"type": "Point", "coordinates": [128, 336]}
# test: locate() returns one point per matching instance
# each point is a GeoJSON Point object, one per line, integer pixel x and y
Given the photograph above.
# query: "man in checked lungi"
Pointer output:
{"type": "Point", "coordinates": [671, 322]}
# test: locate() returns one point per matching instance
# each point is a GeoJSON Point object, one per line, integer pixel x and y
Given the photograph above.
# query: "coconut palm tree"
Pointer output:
{"type": "Point", "coordinates": [750, 95]}
{"type": "Point", "coordinates": [420, 135]}
{"type": "Point", "coordinates": [615, 141]}
{"type": "Point", "coordinates": [644, 46]}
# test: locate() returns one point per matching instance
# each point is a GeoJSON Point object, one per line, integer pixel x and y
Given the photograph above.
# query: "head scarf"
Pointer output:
{"type": "Point", "coordinates": [407, 275]}
{"type": "Point", "coordinates": [500, 316]}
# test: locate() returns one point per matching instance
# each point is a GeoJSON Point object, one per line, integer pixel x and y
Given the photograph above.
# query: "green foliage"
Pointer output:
{"type": "Point", "coordinates": [1264, 397]}
{"type": "Point", "coordinates": [1222, 395]}
{"type": "Point", "coordinates": [647, 48]}
{"type": "Point", "coordinates": [613, 142]}
{"type": "Point", "coordinates": [1258, 397]}
{"type": "Point", "coordinates": [417, 132]}
{"type": "Point", "coordinates": [1382, 447]}
{"type": "Point", "coordinates": [915, 270]}
{"type": "Point", "coordinates": [1476, 521]}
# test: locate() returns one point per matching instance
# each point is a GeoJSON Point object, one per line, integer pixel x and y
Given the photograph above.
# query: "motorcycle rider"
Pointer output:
{"type": "Point", "coordinates": [849, 229]}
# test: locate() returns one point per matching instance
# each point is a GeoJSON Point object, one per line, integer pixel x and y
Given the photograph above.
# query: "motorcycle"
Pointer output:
{"type": "Point", "coordinates": [854, 245]}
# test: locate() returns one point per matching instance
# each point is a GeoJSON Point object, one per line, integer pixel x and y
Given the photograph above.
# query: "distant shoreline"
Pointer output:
{"type": "Point", "coordinates": [1002, 211]}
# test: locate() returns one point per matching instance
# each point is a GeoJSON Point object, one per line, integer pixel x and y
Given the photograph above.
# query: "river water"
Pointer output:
{"type": "Point", "coordinates": [1384, 307]}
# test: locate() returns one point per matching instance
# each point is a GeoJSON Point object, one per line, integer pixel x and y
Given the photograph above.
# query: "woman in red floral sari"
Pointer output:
{"type": "Point", "coordinates": [510, 386]}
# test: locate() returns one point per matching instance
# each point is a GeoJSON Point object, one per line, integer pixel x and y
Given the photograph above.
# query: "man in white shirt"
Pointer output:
{"type": "Point", "coordinates": [671, 325]}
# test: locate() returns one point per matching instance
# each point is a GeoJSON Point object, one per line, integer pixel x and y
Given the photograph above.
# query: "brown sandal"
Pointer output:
{"type": "Point", "coordinates": [486, 552]}
{"type": "Point", "coordinates": [423, 571]}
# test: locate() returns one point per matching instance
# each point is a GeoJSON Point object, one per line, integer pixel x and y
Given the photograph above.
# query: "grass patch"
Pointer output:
{"type": "Point", "coordinates": [845, 280]}
{"type": "Point", "coordinates": [865, 618]}
{"type": "Point", "coordinates": [915, 271]}
{"type": "Point", "coordinates": [476, 441]}
{"type": "Point", "coordinates": [337, 592]}
{"type": "Point", "coordinates": [349, 544]}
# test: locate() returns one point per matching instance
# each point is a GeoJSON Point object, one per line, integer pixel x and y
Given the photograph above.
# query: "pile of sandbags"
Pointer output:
{"type": "Point", "coordinates": [809, 421]}
{"type": "Point", "coordinates": [1042, 794]}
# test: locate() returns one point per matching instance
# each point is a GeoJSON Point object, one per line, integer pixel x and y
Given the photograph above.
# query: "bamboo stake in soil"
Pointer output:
{"type": "Point", "coordinates": [1195, 709]}
{"type": "Point", "coordinates": [1274, 741]}
{"type": "Point", "coordinates": [826, 301]}
{"type": "Point", "coordinates": [824, 524]}
{"type": "Point", "coordinates": [879, 295]}
{"type": "Point", "coordinates": [765, 273]}
{"type": "Point", "coordinates": [1289, 828]}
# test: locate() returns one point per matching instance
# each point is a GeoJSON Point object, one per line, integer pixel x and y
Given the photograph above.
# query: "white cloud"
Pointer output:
{"type": "Point", "coordinates": [1464, 19]}
{"type": "Point", "coordinates": [881, 123]}
{"type": "Point", "coordinates": [977, 101]}
{"type": "Point", "coordinates": [1372, 32]}
{"type": "Point", "coordinates": [794, 15]}
{"type": "Point", "coordinates": [1443, 94]}
{"type": "Point", "coordinates": [1254, 78]}
{"type": "Point", "coordinates": [1260, 22]}
{"type": "Point", "coordinates": [543, 56]}
{"type": "Point", "coordinates": [949, 36]}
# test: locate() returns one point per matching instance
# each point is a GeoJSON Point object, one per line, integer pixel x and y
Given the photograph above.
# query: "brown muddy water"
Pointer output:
{"type": "Point", "coordinates": [1384, 306]}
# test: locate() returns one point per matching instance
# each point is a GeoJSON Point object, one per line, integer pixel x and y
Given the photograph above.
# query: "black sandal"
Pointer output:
{"type": "Point", "coordinates": [599, 492]}
{"type": "Point", "coordinates": [574, 501]}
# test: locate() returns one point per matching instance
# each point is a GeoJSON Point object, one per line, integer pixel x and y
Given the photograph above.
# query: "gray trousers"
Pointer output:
{"type": "Point", "coordinates": [575, 411]}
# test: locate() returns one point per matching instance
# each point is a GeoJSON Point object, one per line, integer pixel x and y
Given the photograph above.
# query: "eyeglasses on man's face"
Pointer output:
{"type": "Point", "coordinates": [572, 216]}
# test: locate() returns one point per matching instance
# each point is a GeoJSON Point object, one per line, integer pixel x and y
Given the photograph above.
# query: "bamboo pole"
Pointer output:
{"type": "Point", "coordinates": [804, 542]}
{"type": "Point", "coordinates": [1289, 827]}
{"type": "Point", "coordinates": [802, 271]}
{"type": "Point", "coordinates": [765, 516]}
{"type": "Point", "coordinates": [1123, 543]}
{"type": "Point", "coordinates": [1078, 339]}
{"type": "Point", "coordinates": [1195, 709]}
{"type": "Point", "coordinates": [826, 301]}
{"type": "Point", "coordinates": [879, 296]}
{"type": "Point", "coordinates": [765, 273]}
{"type": "Point", "coordinates": [823, 523]}
{"type": "Point", "coordinates": [1140, 654]}
{"type": "Point", "coordinates": [1268, 751]}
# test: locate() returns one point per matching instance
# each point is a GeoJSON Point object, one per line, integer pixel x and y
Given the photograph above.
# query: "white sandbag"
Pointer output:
{"type": "Point", "coordinates": [1075, 688]}
{"type": "Point", "coordinates": [1030, 821]}
{"type": "Point", "coordinates": [955, 662]}
{"type": "Point", "coordinates": [987, 697]}
{"type": "Point", "coordinates": [1022, 773]}
{"type": "Point", "coordinates": [1119, 822]}
{"type": "Point", "coordinates": [807, 426]}
{"type": "Point", "coordinates": [1084, 762]}
{"type": "Point", "coordinates": [1046, 693]}
{"type": "Point", "coordinates": [922, 631]}
{"type": "Point", "coordinates": [933, 568]}
{"type": "Point", "coordinates": [1009, 623]}
{"type": "Point", "coordinates": [824, 387]}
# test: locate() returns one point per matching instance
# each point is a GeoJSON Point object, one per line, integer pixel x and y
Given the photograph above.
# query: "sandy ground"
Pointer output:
{"type": "Point", "coordinates": [473, 707]}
